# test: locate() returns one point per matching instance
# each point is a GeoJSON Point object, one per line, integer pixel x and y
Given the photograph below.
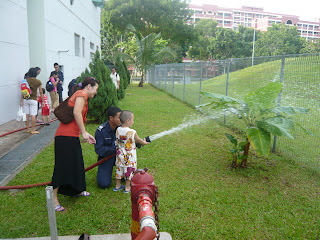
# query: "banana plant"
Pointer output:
{"type": "Point", "coordinates": [261, 116]}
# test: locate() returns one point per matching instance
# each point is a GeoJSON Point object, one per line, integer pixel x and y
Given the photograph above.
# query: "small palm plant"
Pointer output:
{"type": "Point", "coordinates": [147, 53]}
{"type": "Point", "coordinates": [262, 119]}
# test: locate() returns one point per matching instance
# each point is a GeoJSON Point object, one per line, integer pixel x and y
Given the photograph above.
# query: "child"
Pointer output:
{"type": "Point", "coordinates": [45, 108]}
{"type": "Point", "coordinates": [126, 161]}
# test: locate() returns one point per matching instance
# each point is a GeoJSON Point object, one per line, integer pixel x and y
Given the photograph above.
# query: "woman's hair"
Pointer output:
{"type": "Point", "coordinates": [32, 72]}
{"type": "Point", "coordinates": [26, 75]}
{"type": "Point", "coordinates": [53, 73]}
{"type": "Point", "coordinates": [43, 91]}
{"type": "Point", "coordinates": [88, 80]}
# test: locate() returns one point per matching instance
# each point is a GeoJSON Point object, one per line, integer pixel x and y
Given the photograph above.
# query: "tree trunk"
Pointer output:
{"type": "Point", "coordinates": [246, 153]}
{"type": "Point", "coordinates": [141, 81]}
{"type": "Point", "coordinates": [235, 158]}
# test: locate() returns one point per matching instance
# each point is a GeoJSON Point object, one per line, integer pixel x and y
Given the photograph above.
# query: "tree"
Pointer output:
{"type": "Point", "coordinates": [147, 53]}
{"type": "Point", "coordinates": [245, 41]}
{"type": "Point", "coordinates": [224, 44]}
{"type": "Point", "coordinates": [261, 117]}
{"type": "Point", "coordinates": [311, 47]}
{"type": "Point", "coordinates": [148, 16]}
{"type": "Point", "coordinates": [127, 73]}
{"type": "Point", "coordinates": [204, 30]}
{"type": "Point", "coordinates": [279, 39]}
{"type": "Point", "coordinates": [106, 94]}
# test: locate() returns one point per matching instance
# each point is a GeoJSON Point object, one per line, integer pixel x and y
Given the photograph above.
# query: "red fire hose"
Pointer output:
{"type": "Point", "coordinates": [23, 128]}
{"type": "Point", "coordinates": [47, 183]}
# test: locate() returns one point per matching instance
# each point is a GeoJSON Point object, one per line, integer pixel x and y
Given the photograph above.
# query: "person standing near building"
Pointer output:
{"type": "Point", "coordinates": [60, 81]}
{"type": "Point", "coordinates": [30, 106]}
{"type": "Point", "coordinates": [115, 78]}
{"type": "Point", "coordinates": [54, 93]}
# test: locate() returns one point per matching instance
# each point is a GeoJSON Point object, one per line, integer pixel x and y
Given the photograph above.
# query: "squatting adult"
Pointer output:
{"type": "Point", "coordinates": [69, 175]}
{"type": "Point", "coordinates": [106, 137]}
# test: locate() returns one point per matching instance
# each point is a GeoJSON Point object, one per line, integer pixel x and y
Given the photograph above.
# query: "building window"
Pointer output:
{"type": "Point", "coordinates": [83, 46]}
{"type": "Point", "coordinates": [91, 46]}
{"type": "Point", "coordinates": [220, 14]}
{"type": "Point", "coordinates": [227, 14]}
{"type": "Point", "coordinates": [76, 45]}
{"type": "Point", "coordinates": [198, 12]}
{"type": "Point", "coordinates": [209, 12]}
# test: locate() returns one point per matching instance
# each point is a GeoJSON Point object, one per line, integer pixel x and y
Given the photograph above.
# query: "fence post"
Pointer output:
{"type": "Point", "coordinates": [184, 80]}
{"type": "Point", "coordinates": [227, 87]}
{"type": "Point", "coordinates": [155, 72]}
{"type": "Point", "coordinates": [51, 213]}
{"type": "Point", "coordinates": [173, 81]}
{"type": "Point", "coordinates": [279, 100]}
{"type": "Point", "coordinates": [200, 83]}
{"type": "Point", "coordinates": [207, 66]}
{"type": "Point", "coordinates": [165, 81]}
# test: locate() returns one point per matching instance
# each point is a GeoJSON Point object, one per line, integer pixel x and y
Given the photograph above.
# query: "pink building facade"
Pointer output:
{"type": "Point", "coordinates": [252, 17]}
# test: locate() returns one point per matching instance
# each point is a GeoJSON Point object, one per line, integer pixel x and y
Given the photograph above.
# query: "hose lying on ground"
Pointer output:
{"type": "Point", "coordinates": [24, 128]}
{"type": "Point", "coordinates": [47, 183]}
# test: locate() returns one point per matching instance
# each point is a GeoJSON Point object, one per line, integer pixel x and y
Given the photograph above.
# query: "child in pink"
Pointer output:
{"type": "Point", "coordinates": [45, 108]}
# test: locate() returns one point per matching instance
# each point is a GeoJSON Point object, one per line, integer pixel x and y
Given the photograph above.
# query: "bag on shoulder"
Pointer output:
{"type": "Point", "coordinates": [64, 112]}
{"type": "Point", "coordinates": [49, 86]}
{"type": "Point", "coordinates": [25, 89]}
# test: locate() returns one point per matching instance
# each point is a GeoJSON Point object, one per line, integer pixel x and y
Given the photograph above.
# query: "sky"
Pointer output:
{"type": "Point", "coordinates": [307, 10]}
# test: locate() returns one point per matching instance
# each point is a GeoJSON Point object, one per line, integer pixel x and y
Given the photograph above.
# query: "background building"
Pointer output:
{"type": "Point", "coordinates": [252, 17]}
{"type": "Point", "coordinates": [39, 33]}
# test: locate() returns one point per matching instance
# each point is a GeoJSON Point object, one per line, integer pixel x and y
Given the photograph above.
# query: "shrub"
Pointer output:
{"type": "Point", "coordinates": [107, 93]}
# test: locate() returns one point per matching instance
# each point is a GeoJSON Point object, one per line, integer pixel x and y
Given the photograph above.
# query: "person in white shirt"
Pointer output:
{"type": "Point", "coordinates": [115, 78]}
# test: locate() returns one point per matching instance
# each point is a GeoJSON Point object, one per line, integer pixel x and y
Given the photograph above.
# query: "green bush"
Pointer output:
{"type": "Point", "coordinates": [107, 93]}
{"type": "Point", "coordinates": [127, 74]}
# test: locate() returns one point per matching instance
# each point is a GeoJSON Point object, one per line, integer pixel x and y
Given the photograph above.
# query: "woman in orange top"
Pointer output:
{"type": "Point", "coordinates": [69, 175]}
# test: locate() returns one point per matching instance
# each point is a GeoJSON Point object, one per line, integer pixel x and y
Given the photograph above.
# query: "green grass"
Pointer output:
{"type": "Point", "coordinates": [201, 196]}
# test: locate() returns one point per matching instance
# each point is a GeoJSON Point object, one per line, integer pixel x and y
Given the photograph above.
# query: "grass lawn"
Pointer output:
{"type": "Point", "coordinates": [201, 197]}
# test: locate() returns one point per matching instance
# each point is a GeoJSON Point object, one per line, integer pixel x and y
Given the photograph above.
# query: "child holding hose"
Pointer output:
{"type": "Point", "coordinates": [126, 161]}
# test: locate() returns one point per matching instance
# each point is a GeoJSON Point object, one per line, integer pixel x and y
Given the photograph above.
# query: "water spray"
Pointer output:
{"type": "Point", "coordinates": [196, 121]}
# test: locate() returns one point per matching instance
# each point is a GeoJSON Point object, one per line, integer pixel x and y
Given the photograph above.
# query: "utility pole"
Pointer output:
{"type": "Point", "coordinates": [254, 38]}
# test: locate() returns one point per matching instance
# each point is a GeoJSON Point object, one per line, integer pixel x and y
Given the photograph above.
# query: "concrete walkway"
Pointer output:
{"type": "Point", "coordinates": [18, 149]}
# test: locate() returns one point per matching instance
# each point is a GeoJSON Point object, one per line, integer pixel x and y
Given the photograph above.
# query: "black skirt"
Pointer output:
{"type": "Point", "coordinates": [68, 174]}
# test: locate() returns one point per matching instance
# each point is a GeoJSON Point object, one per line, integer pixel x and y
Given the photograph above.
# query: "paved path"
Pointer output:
{"type": "Point", "coordinates": [19, 148]}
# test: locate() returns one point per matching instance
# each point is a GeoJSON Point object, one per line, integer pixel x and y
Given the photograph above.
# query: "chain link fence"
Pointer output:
{"type": "Point", "coordinates": [300, 75]}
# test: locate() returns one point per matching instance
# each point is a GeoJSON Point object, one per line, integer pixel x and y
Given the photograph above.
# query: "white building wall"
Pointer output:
{"type": "Point", "coordinates": [14, 57]}
{"type": "Point", "coordinates": [81, 18]}
{"type": "Point", "coordinates": [38, 34]}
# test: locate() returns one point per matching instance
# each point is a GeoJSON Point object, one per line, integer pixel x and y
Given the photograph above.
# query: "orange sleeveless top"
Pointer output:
{"type": "Point", "coordinates": [72, 129]}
